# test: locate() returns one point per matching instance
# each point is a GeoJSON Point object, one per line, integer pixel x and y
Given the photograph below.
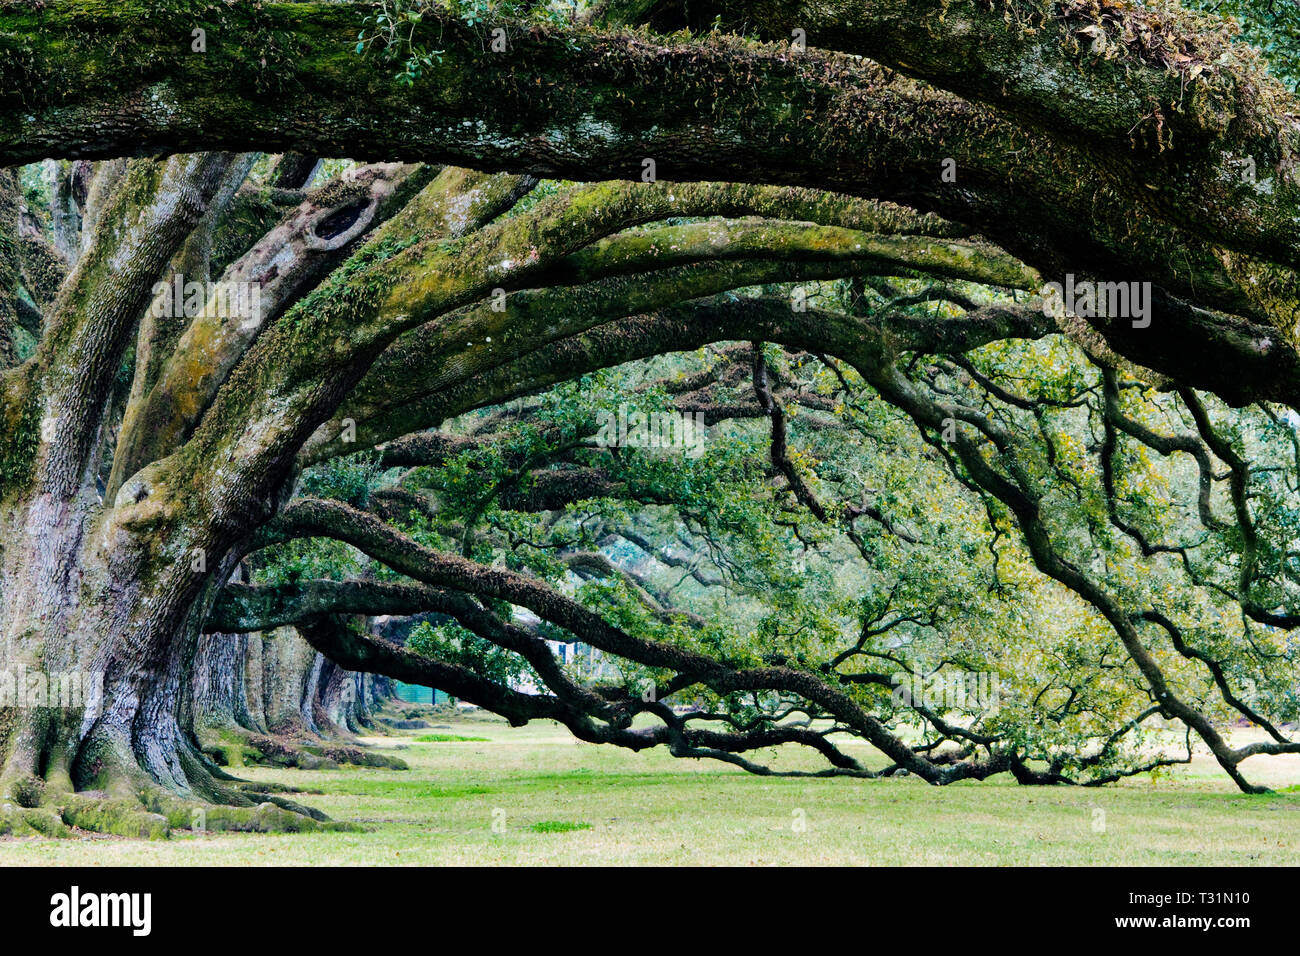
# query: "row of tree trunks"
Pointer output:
{"type": "Point", "coordinates": [269, 697]}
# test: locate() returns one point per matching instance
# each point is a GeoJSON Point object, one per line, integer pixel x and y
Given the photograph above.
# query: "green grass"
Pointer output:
{"type": "Point", "coordinates": [450, 739]}
{"type": "Point", "coordinates": [558, 826]}
{"type": "Point", "coordinates": [535, 795]}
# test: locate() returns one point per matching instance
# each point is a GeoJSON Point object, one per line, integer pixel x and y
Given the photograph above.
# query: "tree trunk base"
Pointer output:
{"type": "Point", "coordinates": [119, 798]}
{"type": "Point", "coordinates": [159, 816]}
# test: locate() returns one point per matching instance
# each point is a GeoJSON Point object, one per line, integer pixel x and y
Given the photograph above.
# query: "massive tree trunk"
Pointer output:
{"type": "Point", "coordinates": [108, 598]}
{"type": "Point", "coordinates": [118, 636]}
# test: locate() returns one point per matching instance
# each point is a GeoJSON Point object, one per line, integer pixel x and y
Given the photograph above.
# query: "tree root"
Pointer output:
{"type": "Point", "coordinates": [159, 817]}
{"type": "Point", "coordinates": [106, 789]}
{"type": "Point", "coordinates": [19, 821]}
{"type": "Point", "coordinates": [34, 807]}
{"type": "Point", "coordinates": [230, 749]}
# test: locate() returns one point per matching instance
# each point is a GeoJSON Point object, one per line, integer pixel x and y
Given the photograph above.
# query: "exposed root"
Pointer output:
{"type": "Point", "coordinates": [274, 815]}
{"type": "Point", "coordinates": [106, 784]}
{"type": "Point", "coordinates": [34, 807]}
{"type": "Point", "coordinates": [158, 817]}
{"type": "Point", "coordinates": [125, 818]}
{"type": "Point", "coordinates": [229, 749]}
{"type": "Point", "coordinates": [266, 787]}
{"type": "Point", "coordinates": [19, 821]}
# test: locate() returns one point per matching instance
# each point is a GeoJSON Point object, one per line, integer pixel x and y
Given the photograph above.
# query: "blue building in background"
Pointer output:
{"type": "Point", "coordinates": [415, 694]}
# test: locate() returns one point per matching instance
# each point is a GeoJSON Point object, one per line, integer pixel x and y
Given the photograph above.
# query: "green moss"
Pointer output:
{"type": "Point", "coordinates": [118, 817]}
{"type": "Point", "coordinates": [25, 822]}
{"type": "Point", "coordinates": [18, 452]}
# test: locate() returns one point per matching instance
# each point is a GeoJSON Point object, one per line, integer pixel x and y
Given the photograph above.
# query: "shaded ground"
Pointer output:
{"type": "Point", "coordinates": [541, 788]}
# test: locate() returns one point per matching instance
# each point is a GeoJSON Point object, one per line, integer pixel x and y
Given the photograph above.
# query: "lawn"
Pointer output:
{"type": "Point", "coordinates": [534, 795]}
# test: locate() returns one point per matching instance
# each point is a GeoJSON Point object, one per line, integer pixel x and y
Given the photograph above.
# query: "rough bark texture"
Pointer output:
{"type": "Point", "coordinates": [269, 697]}
{"type": "Point", "coordinates": [384, 292]}
{"type": "Point", "coordinates": [577, 103]}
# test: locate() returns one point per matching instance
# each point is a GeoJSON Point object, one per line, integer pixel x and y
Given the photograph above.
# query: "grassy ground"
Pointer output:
{"type": "Point", "coordinates": [534, 795]}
